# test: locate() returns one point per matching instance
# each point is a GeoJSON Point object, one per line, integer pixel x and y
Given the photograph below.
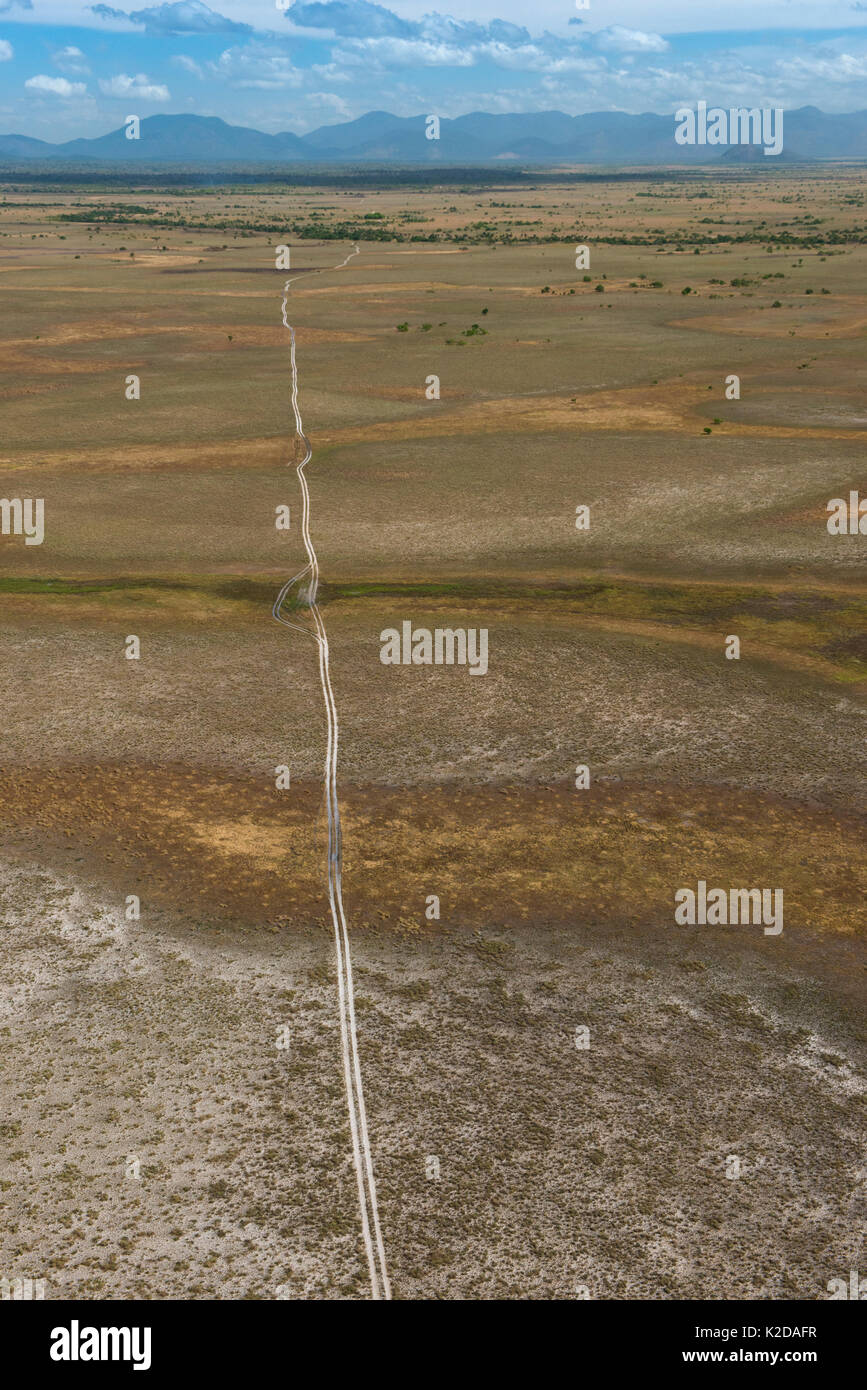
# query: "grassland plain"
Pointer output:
{"type": "Point", "coordinates": [153, 1042]}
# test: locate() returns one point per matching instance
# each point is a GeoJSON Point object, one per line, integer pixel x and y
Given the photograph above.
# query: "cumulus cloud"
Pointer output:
{"type": "Point", "coordinates": [140, 87]}
{"type": "Point", "coordinates": [257, 66]}
{"type": "Point", "coordinates": [70, 59]}
{"type": "Point", "coordinates": [548, 53]}
{"type": "Point", "coordinates": [404, 53]}
{"type": "Point", "coordinates": [388, 58]}
{"type": "Point", "coordinates": [620, 40]}
{"type": "Point", "coordinates": [6, 51]}
{"type": "Point", "coordinates": [354, 19]}
{"type": "Point", "coordinates": [184, 17]}
{"type": "Point", "coordinates": [55, 86]}
{"type": "Point", "coordinates": [330, 72]}
{"type": "Point", "coordinates": [367, 34]}
{"type": "Point", "coordinates": [823, 67]}
{"type": "Point", "coordinates": [441, 26]}
{"type": "Point", "coordinates": [181, 60]}
{"type": "Point", "coordinates": [16, 4]}
{"type": "Point", "coordinates": [329, 103]}
{"type": "Point", "coordinates": [360, 19]}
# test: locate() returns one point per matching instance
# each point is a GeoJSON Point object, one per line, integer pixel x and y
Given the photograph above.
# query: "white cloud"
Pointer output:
{"type": "Point", "coordinates": [836, 68]}
{"type": "Point", "coordinates": [531, 58]}
{"type": "Point", "coordinates": [6, 51]}
{"type": "Point", "coordinates": [403, 53]}
{"type": "Point", "coordinates": [57, 86]}
{"type": "Point", "coordinates": [548, 54]}
{"type": "Point", "coordinates": [181, 60]}
{"type": "Point", "coordinates": [616, 39]}
{"type": "Point", "coordinates": [140, 86]}
{"type": "Point", "coordinates": [330, 72]}
{"type": "Point", "coordinates": [258, 67]}
{"type": "Point", "coordinates": [70, 59]}
{"type": "Point", "coordinates": [330, 102]}
{"type": "Point", "coordinates": [182, 17]}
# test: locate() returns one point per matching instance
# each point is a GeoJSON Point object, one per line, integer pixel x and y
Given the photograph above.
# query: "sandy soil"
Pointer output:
{"type": "Point", "coordinates": [173, 1118]}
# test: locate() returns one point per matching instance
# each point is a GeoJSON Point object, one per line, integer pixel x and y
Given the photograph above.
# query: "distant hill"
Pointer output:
{"type": "Point", "coordinates": [184, 139]}
{"type": "Point", "coordinates": [544, 137]}
{"type": "Point", "coordinates": [754, 154]}
{"type": "Point", "coordinates": [23, 147]}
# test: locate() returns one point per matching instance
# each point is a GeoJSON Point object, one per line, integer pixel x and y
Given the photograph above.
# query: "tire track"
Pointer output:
{"type": "Point", "coordinates": [362, 1157]}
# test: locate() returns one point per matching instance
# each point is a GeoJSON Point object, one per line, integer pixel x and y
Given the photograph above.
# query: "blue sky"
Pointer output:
{"type": "Point", "coordinates": [70, 69]}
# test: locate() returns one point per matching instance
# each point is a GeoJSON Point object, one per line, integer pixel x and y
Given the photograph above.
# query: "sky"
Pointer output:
{"type": "Point", "coordinates": [70, 69]}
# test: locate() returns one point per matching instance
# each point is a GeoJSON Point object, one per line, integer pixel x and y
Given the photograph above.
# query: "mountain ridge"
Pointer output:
{"type": "Point", "coordinates": [545, 137]}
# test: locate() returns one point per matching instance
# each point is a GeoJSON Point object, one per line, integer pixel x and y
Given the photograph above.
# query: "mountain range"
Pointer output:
{"type": "Point", "coordinates": [540, 137]}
